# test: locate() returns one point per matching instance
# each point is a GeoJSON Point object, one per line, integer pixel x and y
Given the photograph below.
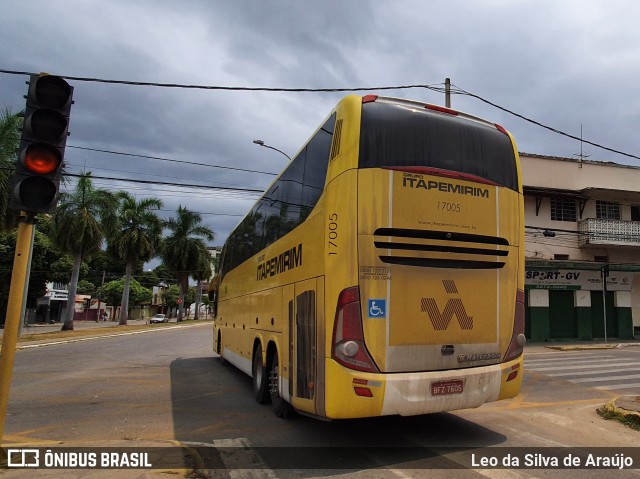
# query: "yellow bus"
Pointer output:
{"type": "Point", "coordinates": [382, 272]}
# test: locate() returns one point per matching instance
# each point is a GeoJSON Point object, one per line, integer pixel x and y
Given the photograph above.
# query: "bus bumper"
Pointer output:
{"type": "Point", "coordinates": [409, 394]}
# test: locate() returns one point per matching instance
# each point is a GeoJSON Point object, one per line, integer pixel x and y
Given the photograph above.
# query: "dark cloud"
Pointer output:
{"type": "Point", "coordinates": [565, 64]}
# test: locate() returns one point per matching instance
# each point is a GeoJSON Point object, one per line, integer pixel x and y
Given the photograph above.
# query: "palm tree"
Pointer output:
{"type": "Point", "coordinates": [184, 247]}
{"type": "Point", "coordinates": [10, 125]}
{"type": "Point", "coordinates": [138, 238]}
{"type": "Point", "coordinates": [203, 273]}
{"type": "Point", "coordinates": [85, 217]}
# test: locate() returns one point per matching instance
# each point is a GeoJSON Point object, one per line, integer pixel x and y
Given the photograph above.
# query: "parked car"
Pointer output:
{"type": "Point", "coordinates": [159, 318]}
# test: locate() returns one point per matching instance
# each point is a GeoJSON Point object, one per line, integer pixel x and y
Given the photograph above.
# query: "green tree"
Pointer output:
{"type": "Point", "coordinates": [171, 296]}
{"type": "Point", "coordinates": [60, 270]}
{"type": "Point", "coordinates": [43, 255]}
{"type": "Point", "coordinates": [165, 275]}
{"type": "Point", "coordinates": [112, 292]}
{"type": "Point", "coordinates": [148, 279]}
{"type": "Point", "coordinates": [10, 126]}
{"type": "Point", "coordinates": [138, 238]}
{"type": "Point", "coordinates": [85, 217]}
{"type": "Point", "coordinates": [86, 287]}
{"type": "Point", "coordinates": [184, 247]}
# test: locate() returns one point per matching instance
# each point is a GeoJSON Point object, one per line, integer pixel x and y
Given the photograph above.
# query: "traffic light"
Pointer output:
{"type": "Point", "coordinates": [36, 180]}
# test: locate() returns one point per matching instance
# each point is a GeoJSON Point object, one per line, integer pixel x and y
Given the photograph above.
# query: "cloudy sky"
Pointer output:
{"type": "Point", "coordinates": [565, 64]}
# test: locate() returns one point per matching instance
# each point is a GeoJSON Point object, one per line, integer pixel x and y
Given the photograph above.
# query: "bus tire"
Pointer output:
{"type": "Point", "coordinates": [260, 377]}
{"type": "Point", "coordinates": [219, 349]}
{"type": "Point", "coordinates": [280, 407]}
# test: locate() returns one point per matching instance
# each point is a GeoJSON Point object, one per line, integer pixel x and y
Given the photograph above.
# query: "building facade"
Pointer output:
{"type": "Point", "coordinates": [582, 225]}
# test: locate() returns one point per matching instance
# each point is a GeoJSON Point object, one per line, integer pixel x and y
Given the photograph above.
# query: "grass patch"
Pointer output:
{"type": "Point", "coordinates": [629, 420]}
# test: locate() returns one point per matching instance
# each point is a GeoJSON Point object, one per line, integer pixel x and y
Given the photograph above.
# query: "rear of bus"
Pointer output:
{"type": "Point", "coordinates": [436, 320]}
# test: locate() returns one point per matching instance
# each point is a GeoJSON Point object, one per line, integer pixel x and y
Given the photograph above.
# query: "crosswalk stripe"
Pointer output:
{"type": "Point", "coordinates": [580, 366]}
{"type": "Point", "coordinates": [619, 386]}
{"type": "Point", "coordinates": [601, 372]}
{"type": "Point", "coordinates": [555, 359]}
{"type": "Point", "coordinates": [609, 378]}
{"type": "Point", "coordinates": [584, 373]}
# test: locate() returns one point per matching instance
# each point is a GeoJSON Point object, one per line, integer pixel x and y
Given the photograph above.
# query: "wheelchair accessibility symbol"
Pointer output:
{"type": "Point", "coordinates": [377, 308]}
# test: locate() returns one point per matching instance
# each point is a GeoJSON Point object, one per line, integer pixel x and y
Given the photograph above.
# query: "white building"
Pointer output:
{"type": "Point", "coordinates": [582, 221]}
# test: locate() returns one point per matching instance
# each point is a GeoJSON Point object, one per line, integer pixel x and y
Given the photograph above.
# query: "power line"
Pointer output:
{"type": "Point", "coordinates": [231, 88]}
{"type": "Point", "coordinates": [436, 88]}
{"type": "Point", "coordinates": [167, 183]}
{"type": "Point", "coordinates": [542, 125]}
{"type": "Point", "coordinates": [184, 162]}
{"type": "Point", "coordinates": [142, 173]}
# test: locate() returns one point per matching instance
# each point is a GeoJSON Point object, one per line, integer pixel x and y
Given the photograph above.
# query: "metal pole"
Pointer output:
{"type": "Point", "coordinates": [19, 279]}
{"type": "Point", "coordinates": [26, 285]}
{"type": "Point", "coordinates": [99, 317]}
{"type": "Point", "coordinates": [604, 299]}
{"type": "Point", "coordinates": [262, 143]}
{"type": "Point", "coordinates": [447, 92]}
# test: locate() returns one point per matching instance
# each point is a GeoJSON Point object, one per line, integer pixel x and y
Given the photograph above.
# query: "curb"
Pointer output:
{"type": "Point", "coordinates": [104, 334]}
{"type": "Point", "coordinates": [584, 347]}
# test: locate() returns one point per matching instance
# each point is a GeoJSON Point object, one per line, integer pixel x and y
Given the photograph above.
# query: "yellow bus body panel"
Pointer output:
{"type": "Point", "coordinates": [336, 249]}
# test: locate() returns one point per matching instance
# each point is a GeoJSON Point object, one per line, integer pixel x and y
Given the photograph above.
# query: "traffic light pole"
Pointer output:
{"type": "Point", "coordinates": [19, 282]}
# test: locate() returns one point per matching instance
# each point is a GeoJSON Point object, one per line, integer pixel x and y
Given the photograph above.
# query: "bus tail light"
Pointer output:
{"type": "Point", "coordinates": [441, 109]}
{"type": "Point", "coordinates": [501, 128]}
{"type": "Point", "coordinates": [348, 346]}
{"type": "Point", "coordinates": [518, 340]}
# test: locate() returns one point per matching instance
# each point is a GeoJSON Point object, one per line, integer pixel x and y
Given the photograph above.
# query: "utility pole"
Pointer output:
{"type": "Point", "coordinates": [605, 274]}
{"type": "Point", "coordinates": [447, 92]}
{"type": "Point", "coordinates": [23, 309]}
{"type": "Point", "coordinates": [19, 283]}
{"type": "Point", "coordinates": [99, 317]}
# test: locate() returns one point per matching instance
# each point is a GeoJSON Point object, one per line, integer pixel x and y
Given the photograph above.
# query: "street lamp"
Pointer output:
{"type": "Point", "coordinates": [262, 143]}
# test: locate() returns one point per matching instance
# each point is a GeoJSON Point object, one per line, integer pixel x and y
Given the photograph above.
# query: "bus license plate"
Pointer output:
{"type": "Point", "coordinates": [447, 387]}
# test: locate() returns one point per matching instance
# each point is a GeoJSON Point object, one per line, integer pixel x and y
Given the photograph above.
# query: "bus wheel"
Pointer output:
{"type": "Point", "coordinates": [260, 377]}
{"type": "Point", "coordinates": [219, 349]}
{"type": "Point", "coordinates": [281, 408]}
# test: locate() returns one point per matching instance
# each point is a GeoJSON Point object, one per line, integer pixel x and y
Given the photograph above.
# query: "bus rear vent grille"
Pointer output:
{"type": "Point", "coordinates": [473, 255]}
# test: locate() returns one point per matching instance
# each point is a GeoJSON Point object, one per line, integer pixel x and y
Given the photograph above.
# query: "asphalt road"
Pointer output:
{"type": "Point", "coordinates": [166, 387]}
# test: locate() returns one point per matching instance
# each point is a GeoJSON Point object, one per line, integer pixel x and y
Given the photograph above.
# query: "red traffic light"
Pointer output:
{"type": "Point", "coordinates": [42, 159]}
{"type": "Point", "coordinates": [36, 181]}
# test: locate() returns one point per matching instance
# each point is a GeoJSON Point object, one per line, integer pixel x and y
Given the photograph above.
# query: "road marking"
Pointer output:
{"type": "Point", "coordinates": [586, 366]}
{"type": "Point", "coordinates": [584, 373]}
{"type": "Point", "coordinates": [608, 378]}
{"type": "Point", "coordinates": [619, 386]}
{"type": "Point", "coordinates": [240, 460]}
{"type": "Point", "coordinates": [555, 359]}
{"type": "Point", "coordinates": [577, 360]}
{"type": "Point", "coordinates": [589, 371]}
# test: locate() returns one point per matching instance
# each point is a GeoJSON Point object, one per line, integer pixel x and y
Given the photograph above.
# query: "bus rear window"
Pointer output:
{"type": "Point", "coordinates": [398, 136]}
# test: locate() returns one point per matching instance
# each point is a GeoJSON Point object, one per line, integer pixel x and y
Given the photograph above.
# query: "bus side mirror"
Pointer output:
{"type": "Point", "coordinates": [213, 301]}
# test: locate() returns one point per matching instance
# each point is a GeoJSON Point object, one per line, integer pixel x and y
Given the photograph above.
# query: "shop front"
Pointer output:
{"type": "Point", "coordinates": [569, 300]}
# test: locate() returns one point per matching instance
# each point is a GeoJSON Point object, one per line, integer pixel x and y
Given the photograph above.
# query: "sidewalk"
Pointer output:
{"type": "Point", "coordinates": [79, 325]}
{"type": "Point", "coordinates": [578, 345]}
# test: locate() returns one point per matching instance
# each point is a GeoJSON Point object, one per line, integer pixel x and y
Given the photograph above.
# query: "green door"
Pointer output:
{"type": "Point", "coordinates": [527, 316]}
{"type": "Point", "coordinates": [562, 314]}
